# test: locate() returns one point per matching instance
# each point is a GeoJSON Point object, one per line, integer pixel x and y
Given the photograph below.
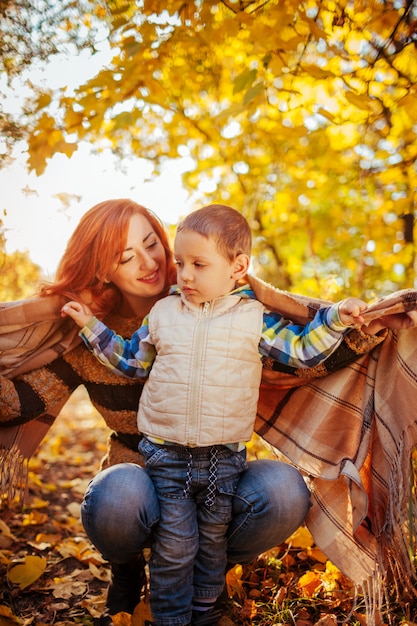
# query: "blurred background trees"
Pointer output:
{"type": "Point", "coordinates": [303, 115]}
{"type": "Point", "coordinates": [19, 275]}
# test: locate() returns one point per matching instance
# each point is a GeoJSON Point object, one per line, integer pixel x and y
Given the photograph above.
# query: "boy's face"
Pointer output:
{"type": "Point", "coordinates": [202, 272]}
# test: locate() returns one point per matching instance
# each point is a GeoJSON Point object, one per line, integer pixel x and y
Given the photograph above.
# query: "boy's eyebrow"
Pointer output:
{"type": "Point", "coordinates": [196, 257]}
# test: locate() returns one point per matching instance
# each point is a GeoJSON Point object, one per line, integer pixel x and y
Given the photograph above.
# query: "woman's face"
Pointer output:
{"type": "Point", "coordinates": [141, 272]}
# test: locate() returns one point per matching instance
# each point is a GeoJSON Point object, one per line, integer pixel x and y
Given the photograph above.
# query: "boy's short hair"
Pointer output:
{"type": "Point", "coordinates": [226, 226]}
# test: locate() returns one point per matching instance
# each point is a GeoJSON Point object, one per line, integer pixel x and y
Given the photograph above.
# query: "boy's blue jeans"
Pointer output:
{"type": "Point", "coordinates": [195, 488]}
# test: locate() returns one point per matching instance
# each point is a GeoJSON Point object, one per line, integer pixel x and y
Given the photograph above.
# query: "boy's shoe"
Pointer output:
{"type": "Point", "coordinates": [213, 615]}
{"type": "Point", "coordinates": [206, 618]}
{"type": "Point", "coordinates": [125, 589]}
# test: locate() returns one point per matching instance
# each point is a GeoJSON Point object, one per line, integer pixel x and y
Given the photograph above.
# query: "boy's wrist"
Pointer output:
{"type": "Point", "coordinates": [335, 318]}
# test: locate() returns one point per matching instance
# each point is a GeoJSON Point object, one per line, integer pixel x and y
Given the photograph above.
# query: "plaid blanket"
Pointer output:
{"type": "Point", "coordinates": [352, 433]}
{"type": "Point", "coordinates": [32, 334]}
{"type": "Point", "coordinates": [349, 425]}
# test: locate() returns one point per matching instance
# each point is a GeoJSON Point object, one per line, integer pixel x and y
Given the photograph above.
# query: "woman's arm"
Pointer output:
{"type": "Point", "coordinates": [38, 392]}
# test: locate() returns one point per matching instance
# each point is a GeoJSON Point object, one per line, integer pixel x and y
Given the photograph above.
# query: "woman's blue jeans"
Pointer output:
{"type": "Point", "coordinates": [120, 510]}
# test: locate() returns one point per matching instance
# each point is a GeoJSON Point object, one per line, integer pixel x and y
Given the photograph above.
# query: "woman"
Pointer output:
{"type": "Point", "coordinates": [118, 261]}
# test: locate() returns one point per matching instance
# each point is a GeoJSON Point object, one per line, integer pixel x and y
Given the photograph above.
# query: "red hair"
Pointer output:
{"type": "Point", "coordinates": [95, 244]}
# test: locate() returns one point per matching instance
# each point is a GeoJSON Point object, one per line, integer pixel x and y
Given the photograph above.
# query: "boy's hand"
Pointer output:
{"type": "Point", "coordinates": [80, 313]}
{"type": "Point", "coordinates": [350, 311]}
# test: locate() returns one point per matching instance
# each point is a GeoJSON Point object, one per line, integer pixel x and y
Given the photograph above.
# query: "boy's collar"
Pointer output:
{"type": "Point", "coordinates": [244, 290]}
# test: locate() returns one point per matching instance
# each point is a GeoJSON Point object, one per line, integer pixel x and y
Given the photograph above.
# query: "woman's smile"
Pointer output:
{"type": "Point", "coordinates": [150, 278]}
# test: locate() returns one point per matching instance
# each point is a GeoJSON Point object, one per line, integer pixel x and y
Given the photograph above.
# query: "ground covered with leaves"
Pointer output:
{"type": "Point", "coordinates": [51, 574]}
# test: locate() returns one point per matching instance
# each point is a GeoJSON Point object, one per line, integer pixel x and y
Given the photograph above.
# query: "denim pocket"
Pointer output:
{"type": "Point", "coordinates": [151, 452]}
{"type": "Point", "coordinates": [230, 467]}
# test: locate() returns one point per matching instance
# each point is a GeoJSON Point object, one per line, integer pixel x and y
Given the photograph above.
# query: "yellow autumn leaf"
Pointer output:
{"type": "Point", "coordinates": [326, 114]}
{"type": "Point", "coordinates": [43, 100]}
{"type": "Point", "coordinates": [141, 613]}
{"type": "Point", "coordinates": [7, 618]}
{"type": "Point", "coordinates": [405, 62]}
{"type": "Point", "coordinates": [34, 518]}
{"type": "Point", "coordinates": [101, 573]}
{"type": "Point", "coordinates": [359, 101]}
{"type": "Point", "coordinates": [316, 554]}
{"type": "Point", "coordinates": [301, 538]}
{"type": "Point", "coordinates": [244, 80]}
{"type": "Point", "coordinates": [409, 105]}
{"type": "Point", "coordinates": [5, 531]}
{"type": "Point", "coordinates": [318, 72]}
{"type": "Point", "coordinates": [309, 582]}
{"type": "Point", "coordinates": [26, 573]}
{"type": "Point", "coordinates": [332, 570]}
{"type": "Point", "coordinates": [38, 503]}
{"type": "Point", "coordinates": [77, 548]}
{"type": "Point", "coordinates": [49, 538]}
{"type": "Point", "coordinates": [342, 137]}
{"type": "Point", "coordinates": [234, 581]}
{"type": "Point", "coordinates": [123, 619]}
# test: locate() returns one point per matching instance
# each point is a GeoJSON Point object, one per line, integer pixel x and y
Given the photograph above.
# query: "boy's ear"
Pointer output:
{"type": "Point", "coordinates": [240, 266]}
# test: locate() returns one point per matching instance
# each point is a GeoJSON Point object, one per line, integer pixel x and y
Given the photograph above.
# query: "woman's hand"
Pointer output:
{"type": "Point", "coordinates": [397, 321]}
{"type": "Point", "coordinates": [80, 313]}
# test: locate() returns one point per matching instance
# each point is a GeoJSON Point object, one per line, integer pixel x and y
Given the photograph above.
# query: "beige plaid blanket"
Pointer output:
{"type": "Point", "coordinates": [350, 430]}
{"type": "Point", "coordinates": [32, 333]}
{"type": "Point", "coordinates": [352, 433]}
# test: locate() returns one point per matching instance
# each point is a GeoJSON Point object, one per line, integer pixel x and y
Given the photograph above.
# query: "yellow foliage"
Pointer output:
{"type": "Point", "coordinates": [19, 276]}
{"type": "Point", "coordinates": [75, 547]}
{"type": "Point", "coordinates": [309, 583]}
{"type": "Point", "coordinates": [5, 531]}
{"type": "Point", "coordinates": [405, 62]}
{"type": "Point", "coordinates": [34, 518]}
{"type": "Point", "coordinates": [301, 538]}
{"type": "Point", "coordinates": [290, 111]}
{"type": "Point", "coordinates": [141, 613]}
{"type": "Point", "coordinates": [234, 581]}
{"type": "Point", "coordinates": [354, 43]}
{"type": "Point", "coordinates": [28, 572]}
{"type": "Point", "coordinates": [343, 137]}
{"type": "Point", "coordinates": [7, 618]}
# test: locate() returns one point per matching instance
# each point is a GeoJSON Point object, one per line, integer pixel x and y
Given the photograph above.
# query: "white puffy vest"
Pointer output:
{"type": "Point", "coordinates": [204, 384]}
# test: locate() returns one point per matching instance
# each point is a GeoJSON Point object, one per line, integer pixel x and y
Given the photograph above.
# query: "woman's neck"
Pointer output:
{"type": "Point", "coordinates": [137, 307]}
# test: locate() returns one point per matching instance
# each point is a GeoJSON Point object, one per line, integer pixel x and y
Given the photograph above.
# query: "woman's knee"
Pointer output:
{"type": "Point", "coordinates": [269, 481]}
{"type": "Point", "coordinates": [119, 510]}
{"type": "Point", "coordinates": [271, 502]}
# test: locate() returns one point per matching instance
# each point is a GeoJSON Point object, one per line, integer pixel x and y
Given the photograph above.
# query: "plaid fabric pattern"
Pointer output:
{"type": "Point", "coordinates": [351, 432]}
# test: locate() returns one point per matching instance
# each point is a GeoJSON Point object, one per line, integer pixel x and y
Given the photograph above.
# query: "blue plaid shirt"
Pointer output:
{"type": "Point", "coordinates": [290, 344]}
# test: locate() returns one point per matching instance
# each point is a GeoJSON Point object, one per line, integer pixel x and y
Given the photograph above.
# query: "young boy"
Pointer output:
{"type": "Point", "coordinates": [201, 347]}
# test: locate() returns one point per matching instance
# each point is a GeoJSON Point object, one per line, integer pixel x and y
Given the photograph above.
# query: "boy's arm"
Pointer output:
{"type": "Point", "coordinates": [131, 358]}
{"type": "Point", "coordinates": [302, 346]}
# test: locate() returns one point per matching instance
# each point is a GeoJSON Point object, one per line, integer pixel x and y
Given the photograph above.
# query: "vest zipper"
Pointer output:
{"type": "Point", "coordinates": [195, 416]}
